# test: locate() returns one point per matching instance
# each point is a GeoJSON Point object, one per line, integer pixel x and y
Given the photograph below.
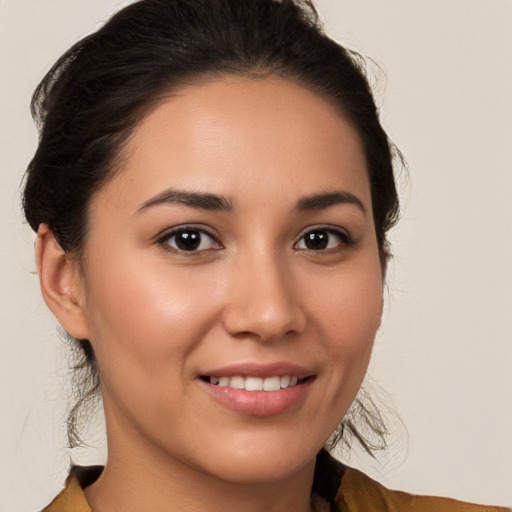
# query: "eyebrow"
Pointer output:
{"type": "Point", "coordinates": [200, 200]}
{"type": "Point", "coordinates": [325, 200]}
{"type": "Point", "coordinates": [214, 202]}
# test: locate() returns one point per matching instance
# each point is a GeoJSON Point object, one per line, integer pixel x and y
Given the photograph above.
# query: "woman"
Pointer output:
{"type": "Point", "coordinates": [211, 194]}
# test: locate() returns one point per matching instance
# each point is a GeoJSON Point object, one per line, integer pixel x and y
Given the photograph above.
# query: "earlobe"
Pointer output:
{"type": "Point", "coordinates": [60, 283]}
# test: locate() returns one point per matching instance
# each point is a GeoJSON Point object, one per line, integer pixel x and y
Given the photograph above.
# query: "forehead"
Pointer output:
{"type": "Point", "coordinates": [236, 135]}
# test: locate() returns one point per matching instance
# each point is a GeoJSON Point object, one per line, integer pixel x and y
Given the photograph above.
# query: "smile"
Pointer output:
{"type": "Point", "coordinates": [274, 383]}
{"type": "Point", "coordinates": [254, 389]}
{"type": "Point", "coordinates": [258, 402]}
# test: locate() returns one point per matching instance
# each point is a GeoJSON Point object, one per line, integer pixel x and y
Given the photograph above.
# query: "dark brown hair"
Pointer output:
{"type": "Point", "coordinates": [92, 98]}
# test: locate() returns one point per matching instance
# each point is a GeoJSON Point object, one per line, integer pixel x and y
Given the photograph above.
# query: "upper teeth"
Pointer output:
{"type": "Point", "coordinates": [256, 383]}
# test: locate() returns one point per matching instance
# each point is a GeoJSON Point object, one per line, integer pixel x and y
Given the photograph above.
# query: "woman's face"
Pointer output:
{"type": "Point", "coordinates": [235, 248]}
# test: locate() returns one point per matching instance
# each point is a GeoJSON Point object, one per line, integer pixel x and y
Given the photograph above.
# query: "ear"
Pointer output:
{"type": "Point", "coordinates": [61, 284]}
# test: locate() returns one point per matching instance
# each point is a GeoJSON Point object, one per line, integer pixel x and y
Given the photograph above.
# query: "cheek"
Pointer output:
{"type": "Point", "coordinates": [142, 314]}
{"type": "Point", "coordinates": [145, 321]}
{"type": "Point", "coordinates": [351, 313]}
{"type": "Point", "coordinates": [351, 305]}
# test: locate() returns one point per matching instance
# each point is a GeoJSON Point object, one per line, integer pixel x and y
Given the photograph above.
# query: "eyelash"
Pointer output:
{"type": "Point", "coordinates": [164, 240]}
{"type": "Point", "coordinates": [344, 240]}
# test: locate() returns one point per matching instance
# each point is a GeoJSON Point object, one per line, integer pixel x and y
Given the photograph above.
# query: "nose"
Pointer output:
{"type": "Point", "coordinates": [263, 300]}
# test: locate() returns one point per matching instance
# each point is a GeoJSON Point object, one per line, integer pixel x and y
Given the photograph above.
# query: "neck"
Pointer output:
{"type": "Point", "coordinates": [139, 476]}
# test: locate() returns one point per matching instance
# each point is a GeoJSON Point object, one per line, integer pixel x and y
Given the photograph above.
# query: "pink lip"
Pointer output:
{"type": "Point", "coordinates": [259, 403]}
{"type": "Point", "coordinates": [278, 369]}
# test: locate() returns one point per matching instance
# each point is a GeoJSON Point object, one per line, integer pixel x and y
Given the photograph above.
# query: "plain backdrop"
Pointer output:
{"type": "Point", "coordinates": [444, 353]}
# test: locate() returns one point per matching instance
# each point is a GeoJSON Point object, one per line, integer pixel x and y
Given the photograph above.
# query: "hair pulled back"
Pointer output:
{"type": "Point", "coordinates": [94, 96]}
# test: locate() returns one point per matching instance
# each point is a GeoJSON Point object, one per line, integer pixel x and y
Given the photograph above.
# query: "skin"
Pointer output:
{"type": "Point", "coordinates": [158, 317]}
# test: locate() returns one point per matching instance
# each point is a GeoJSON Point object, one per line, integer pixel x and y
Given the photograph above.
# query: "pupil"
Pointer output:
{"type": "Point", "coordinates": [317, 240]}
{"type": "Point", "coordinates": [188, 240]}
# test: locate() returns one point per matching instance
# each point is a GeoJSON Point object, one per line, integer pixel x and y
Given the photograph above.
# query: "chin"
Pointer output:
{"type": "Point", "coordinates": [263, 470]}
{"type": "Point", "coordinates": [262, 460]}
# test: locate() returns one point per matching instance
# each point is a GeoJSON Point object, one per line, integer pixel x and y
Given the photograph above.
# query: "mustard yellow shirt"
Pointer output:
{"type": "Point", "coordinates": [336, 488]}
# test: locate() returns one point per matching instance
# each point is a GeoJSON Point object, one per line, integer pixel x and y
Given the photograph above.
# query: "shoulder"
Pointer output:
{"type": "Point", "coordinates": [344, 489]}
{"type": "Point", "coordinates": [359, 493]}
{"type": "Point", "coordinates": [72, 498]}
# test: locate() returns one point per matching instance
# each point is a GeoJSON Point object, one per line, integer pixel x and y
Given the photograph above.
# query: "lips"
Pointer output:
{"type": "Point", "coordinates": [258, 390]}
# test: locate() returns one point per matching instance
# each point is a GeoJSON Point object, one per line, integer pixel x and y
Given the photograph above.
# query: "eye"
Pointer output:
{"type": "Point", "coordinates": [324, 239]}
{"type": "Point", "coordinates": [186, 239]}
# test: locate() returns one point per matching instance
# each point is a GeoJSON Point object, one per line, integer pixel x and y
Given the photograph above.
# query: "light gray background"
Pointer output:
{"type": "Point", "coordinates": [444, 353]}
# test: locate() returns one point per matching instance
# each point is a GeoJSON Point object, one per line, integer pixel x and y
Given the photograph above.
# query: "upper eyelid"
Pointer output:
{"type": "Point", "coordinates": [325, 227]}
{"type": "Point", "coordinates": [167, 232]}
{"type": "Point", "coordinates": [346, 239]}
{"type": "Point", "coordinates": [164, 241]}
{"type": "Point", "coordinates": [215, 235]}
